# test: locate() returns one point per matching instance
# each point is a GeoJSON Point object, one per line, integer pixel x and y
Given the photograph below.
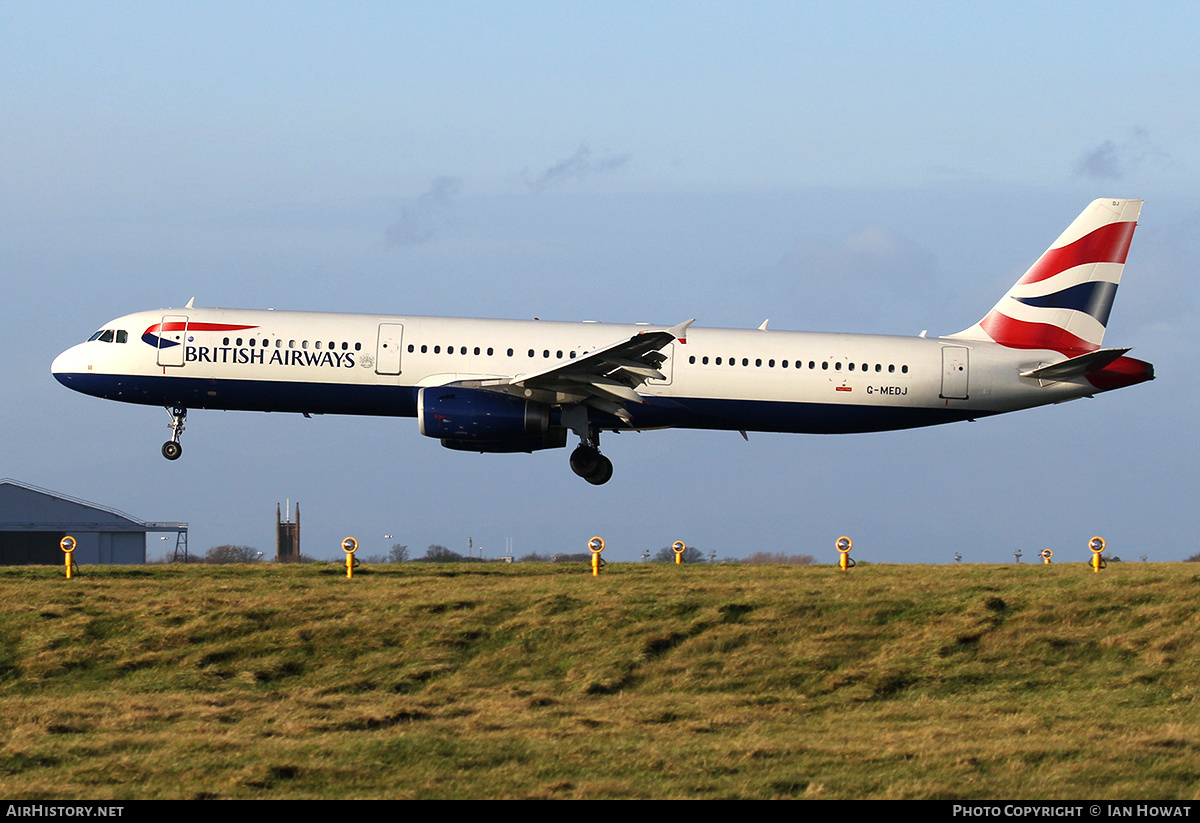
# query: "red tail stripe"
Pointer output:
{"type": "Point", "coordinates": [1107, 244]}
{"type": "Point", "coordinates": [1124, 371]}
{"type": "Point", "coordinates": [1021, 334]}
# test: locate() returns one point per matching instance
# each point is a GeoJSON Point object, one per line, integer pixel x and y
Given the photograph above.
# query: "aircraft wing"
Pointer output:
{"type": "Point", "coordinates": [605, 379]}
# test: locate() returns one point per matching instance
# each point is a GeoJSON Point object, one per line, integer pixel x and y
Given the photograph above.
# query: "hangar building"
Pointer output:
{"type": "Point", "coordinates": [33, 521]}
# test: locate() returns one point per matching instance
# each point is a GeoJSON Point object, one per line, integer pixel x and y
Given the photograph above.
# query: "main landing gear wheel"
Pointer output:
{"type": "Point", "coordinates": [171, 450]}
{"type": "Point", "coordinates": [591, 465]}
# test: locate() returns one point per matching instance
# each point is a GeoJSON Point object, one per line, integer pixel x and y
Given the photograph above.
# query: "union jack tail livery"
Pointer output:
{"type": "Point", "coordinates": [1062, 302]}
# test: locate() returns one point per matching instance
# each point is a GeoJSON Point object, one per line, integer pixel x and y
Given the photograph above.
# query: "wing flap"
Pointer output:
{"type": "Point", "coordinates": [606, 379]}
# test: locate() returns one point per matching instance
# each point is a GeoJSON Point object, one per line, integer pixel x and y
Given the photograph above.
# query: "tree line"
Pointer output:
{"type": "Point", "coordinates": [437, 553]}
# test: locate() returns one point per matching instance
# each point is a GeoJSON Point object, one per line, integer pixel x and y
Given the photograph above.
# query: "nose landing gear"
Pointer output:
{"type": "Point", "coordinates": [172, 448]}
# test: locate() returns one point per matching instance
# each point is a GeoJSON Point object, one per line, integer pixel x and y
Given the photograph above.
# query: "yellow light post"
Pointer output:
{"type": "Point", "coordinates": [1046, 555]}
{"type": "Point", "coordinates": [350, 546]}
{"type": "Point", "coordinates": [679, 548]}
{"type": "Point", "coordinates": [1096, 544]}
{"type": "Point", "coordinates": [596, 544]}
{"type": "Point", "coordinates": [844, 545]}
{"type": "Point", "coordinates": [67, 544]}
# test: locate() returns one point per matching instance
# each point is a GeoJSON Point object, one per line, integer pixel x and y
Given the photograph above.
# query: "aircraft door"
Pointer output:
{"type": "Point", "coordinates": [387, 348]}
{"type": "Point", "coordinates": [954, 372]}
{"type": "Point", "coordinates": [172, 339]}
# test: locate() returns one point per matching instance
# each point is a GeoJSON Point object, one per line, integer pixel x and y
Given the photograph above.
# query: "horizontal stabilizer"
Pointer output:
{"type": "Point", "coordinates": [1076, 366]}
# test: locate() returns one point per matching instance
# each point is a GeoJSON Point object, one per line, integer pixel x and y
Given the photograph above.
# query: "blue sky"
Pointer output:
{"type": "Point", "coordinates": [854, 167]}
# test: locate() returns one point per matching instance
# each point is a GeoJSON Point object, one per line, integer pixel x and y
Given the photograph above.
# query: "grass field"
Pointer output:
{"type": "Point", "coordinates": [652, 681]}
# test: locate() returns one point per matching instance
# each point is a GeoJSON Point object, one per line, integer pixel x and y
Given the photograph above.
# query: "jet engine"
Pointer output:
{"type": "Point", "coordinates": [484, 421]}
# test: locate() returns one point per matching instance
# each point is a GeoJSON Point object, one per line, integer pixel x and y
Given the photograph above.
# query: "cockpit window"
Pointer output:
{"type": "Point", "coordinates": [109, 335]}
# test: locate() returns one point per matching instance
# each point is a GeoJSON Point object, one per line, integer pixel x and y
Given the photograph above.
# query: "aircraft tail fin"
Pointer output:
{"type": "Point", "coordinates": [1062, 303]}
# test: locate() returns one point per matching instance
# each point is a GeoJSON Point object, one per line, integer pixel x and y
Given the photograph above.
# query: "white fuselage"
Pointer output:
{"type": "Point", "coordinates": [754, 380]}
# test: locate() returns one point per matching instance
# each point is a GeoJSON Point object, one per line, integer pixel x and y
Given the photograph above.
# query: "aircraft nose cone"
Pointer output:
{"type": "Point", "coordinates": [66, 364]}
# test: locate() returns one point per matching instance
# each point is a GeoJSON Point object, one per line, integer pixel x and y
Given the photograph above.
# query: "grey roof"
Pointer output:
{"type": "Point", "coordinates": [28, 508]}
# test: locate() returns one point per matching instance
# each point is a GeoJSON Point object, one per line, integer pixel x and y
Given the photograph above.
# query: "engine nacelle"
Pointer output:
{"type": "Point", "coordinates": [485, 421]}
{"type": "Point", "coordinates": [556, 438]}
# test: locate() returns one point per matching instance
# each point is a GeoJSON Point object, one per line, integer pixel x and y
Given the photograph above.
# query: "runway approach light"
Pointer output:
{"type": "Point", "coordinates": [596, 545]}
{"type": "Point", "coordinates": [679, 547]}
{"type": "Point", "coordinates": [844, 545]}
{"type": "Point", "coordinates": [350, 546]}
{"type": "Point", "coordinates": [67, 544]}
{"type": "Point", "coordinates": [1046, 555]}
{"type": "Point", "coordinates": [1096, 544]}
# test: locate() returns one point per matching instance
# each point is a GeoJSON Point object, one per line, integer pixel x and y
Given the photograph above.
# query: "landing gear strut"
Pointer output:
{"type": "Point", "coordinates": [172, 449]}
{"type": "Point", "coordinates": [589, 463]}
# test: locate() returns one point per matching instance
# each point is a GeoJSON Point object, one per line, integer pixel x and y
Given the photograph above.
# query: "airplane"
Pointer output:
{"type": "Point", "coordinates": [522, 385]}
